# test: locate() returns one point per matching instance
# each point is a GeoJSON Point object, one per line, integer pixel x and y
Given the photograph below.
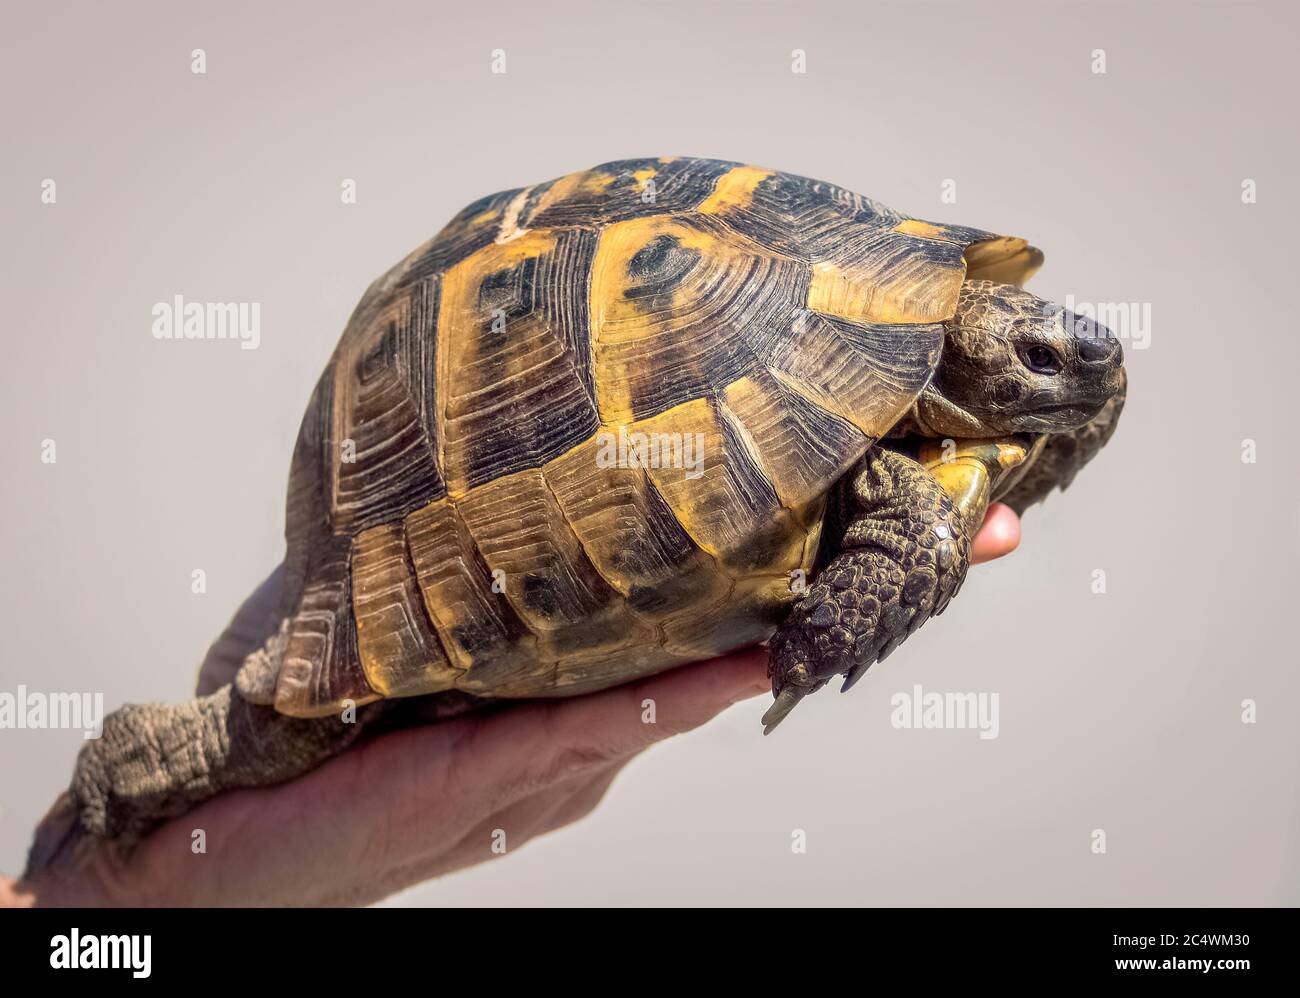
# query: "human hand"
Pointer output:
{"type": "Point", "coordinates": [412, 804]}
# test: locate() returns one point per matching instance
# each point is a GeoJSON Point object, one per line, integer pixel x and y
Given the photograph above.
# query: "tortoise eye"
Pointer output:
{"type": "Point", "coordinates": [1040, 359]}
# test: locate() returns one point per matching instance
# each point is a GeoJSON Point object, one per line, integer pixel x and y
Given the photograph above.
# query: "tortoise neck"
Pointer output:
{"type": "Point", "coordinates": [933, 415]}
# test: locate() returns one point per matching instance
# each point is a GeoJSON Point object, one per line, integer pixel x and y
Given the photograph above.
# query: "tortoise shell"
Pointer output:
{"type": "Point", "coordinates": [467, 506]}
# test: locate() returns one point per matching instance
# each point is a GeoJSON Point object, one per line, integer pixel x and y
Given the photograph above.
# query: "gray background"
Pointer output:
{"type": "Point", "coordinates": [1118, 711]}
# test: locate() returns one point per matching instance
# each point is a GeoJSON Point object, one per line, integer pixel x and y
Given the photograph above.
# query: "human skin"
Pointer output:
{"type": "Point", "coordinates": [417, 803]}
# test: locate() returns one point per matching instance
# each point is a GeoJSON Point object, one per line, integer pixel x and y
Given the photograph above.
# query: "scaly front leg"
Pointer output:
{"type": "Point", "coordinates": [905, 555]}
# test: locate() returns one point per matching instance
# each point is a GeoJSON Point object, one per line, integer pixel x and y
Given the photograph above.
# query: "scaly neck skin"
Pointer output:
{"type": "Point", "coordinates": [936, 417]}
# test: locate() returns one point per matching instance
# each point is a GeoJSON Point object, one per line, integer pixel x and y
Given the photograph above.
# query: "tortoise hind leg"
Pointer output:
{"type": "Point", "coordinates": [155, 761]}
{"type": "Point", "coordinates": [903, 556]}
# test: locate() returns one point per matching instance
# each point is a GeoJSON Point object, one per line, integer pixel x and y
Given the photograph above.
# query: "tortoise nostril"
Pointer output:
{"type": "Point", "coordinates": [1094, 350]}
{"type": "Point", "coordinates": [1093, 341]}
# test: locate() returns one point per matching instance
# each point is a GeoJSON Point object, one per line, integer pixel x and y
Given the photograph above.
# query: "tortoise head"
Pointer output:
{"type": "Point", "coordinates": [1014, 363]}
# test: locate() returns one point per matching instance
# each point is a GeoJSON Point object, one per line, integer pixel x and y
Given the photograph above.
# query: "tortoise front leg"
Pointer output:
{"type": "Point", "coordinates": [904, 556]}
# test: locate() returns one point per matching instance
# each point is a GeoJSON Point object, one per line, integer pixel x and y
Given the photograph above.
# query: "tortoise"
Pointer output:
{"type": "Point", "coordinates": [634, 417]}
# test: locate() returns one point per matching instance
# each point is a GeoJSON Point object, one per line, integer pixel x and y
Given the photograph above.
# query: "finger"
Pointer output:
{"type": "Point", "coordinates": [999, 535]}
{"type": "Point", "coordinates": [520, 822]}
{"type": "Point", "coordinates": [628, 719]}
{"type": "Point", "coordinates": [553, 808]}
{"type": "Point", "coordinates": [526, 749]}
{"type": "Point", "coordinates": [583, 800]}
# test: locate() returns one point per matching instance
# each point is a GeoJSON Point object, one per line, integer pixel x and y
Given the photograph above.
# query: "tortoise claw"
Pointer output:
{"type": "Point", "coordinates": [785, 702]}
{"type": "Point", "coordinates": [889, 648]}
{"type": "Point", "coordinates": [857, 672]}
